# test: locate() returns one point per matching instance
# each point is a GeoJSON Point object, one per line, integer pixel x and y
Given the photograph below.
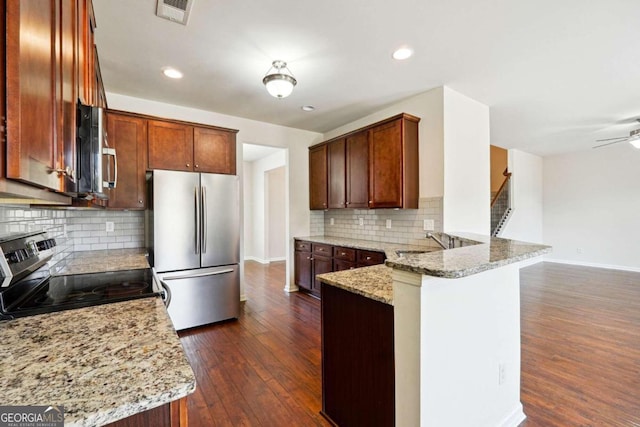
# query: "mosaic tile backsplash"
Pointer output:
{"type": "Point", "coordinates": [406, 224]}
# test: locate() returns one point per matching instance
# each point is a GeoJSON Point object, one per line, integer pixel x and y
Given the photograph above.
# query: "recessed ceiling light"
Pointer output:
{"type": "Point", "coordinates": [308, 108]}
{"type": "Point", "coordinates": [402, 53]}
{"type": "Point", "coordinates": [172, 73]}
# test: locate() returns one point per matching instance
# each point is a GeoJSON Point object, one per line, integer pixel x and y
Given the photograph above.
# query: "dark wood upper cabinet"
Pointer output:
{"type": "Point", "coordinates": [318, 177]}
{"type": "Point", "coordinates": [214, 151]}
{"type": "Point", "coordinates": [373, 167]}
{"type": "Point", "coordinates": [33, 153]}
{"type": "Point", "coordinates": [170, 146]}
{"type": "Point", "coordinates": [357, 174]}
{"type": "Point", "coordinates": [337, 168]}
{"type": "Point", "coordinates": [186, 147]}
{"type": "Point", "coordinates": [67, 90]}
{"type": "Point", "coordinates": [128, 135]}
{"type": "Point", "coordinates": [86, 25]}
{"type": "Point", "coordinates": [393, 163]}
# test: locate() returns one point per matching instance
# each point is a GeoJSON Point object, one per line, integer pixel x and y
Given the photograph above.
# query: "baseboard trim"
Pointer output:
{"type": "Point", "coordinates": [291, 288]}
{"type": "Point", "coordinates": [277, 259]}
{"type": "Point", "coordinates": [593, 264]}
{"type": "Point", "coordinates": [256, 259]}
{"type": "Point", "coordinates": [515, 418]}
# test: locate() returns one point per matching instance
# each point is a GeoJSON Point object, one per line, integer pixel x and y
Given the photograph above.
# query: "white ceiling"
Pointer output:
{"type": "Point", "coordinates": [556, 74]}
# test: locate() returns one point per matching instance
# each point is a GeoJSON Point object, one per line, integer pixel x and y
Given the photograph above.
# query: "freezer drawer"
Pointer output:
{"type": "Point", "coordinates": [202, 296]}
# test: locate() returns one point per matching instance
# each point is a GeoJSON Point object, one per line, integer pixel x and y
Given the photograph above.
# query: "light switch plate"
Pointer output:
{"type": "Point", "coordinates": [428, 225]}
{"type": "Point", "coordinates": [331, 221]}
{"type": "Point", "coordinates": [360, 221]}
{"type": "Point", "coordinates": [388, 223]}
{"type": "Point", "coordinates": [109, 227]}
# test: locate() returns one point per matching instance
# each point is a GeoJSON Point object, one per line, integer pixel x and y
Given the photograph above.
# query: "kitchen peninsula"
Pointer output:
{"type": "Point", "coordinates": [448, 325]}
{"type": "Point", "coordinates": [103, 363]}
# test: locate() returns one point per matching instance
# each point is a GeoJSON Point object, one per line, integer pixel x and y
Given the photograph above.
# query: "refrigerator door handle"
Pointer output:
{"type": "Point", "coordinates": [197, 220]}
{"type": "Point", "coordinates": [188, 276]}
{"type": "Point", "coordinates": [166, 294]}
{"type": "Point", "coordinates": [204, 219]}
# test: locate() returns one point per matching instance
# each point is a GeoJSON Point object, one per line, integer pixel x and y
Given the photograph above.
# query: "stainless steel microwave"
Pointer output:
{"type": "Point", "coordinates": [97, 163]}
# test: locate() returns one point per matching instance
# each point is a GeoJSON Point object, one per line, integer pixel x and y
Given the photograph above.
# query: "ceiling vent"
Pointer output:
{"type": "Point", "coordinates": [174, 10]}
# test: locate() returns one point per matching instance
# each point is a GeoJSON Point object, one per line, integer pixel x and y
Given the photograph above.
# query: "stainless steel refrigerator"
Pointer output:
{"type": "Point", "coordinates": [193, 234]}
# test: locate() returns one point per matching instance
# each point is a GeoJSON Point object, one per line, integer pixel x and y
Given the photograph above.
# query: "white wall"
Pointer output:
{"type": "Point", "coordinates": [592, 204]}
{"type": "Point", "coordinates": [526, 198]}
{"type": "Point", "coordinates": [250, 131]}
{"type": "Point", "coordinates": [256, 224]}
{"type": "Point", "coordinates": [276, 224]}
{"type": "Point", "coordinates": [467, 166]}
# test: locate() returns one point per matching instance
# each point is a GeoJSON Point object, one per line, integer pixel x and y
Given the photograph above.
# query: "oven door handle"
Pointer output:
{"type": "Point", "coordinates": [166, 295]}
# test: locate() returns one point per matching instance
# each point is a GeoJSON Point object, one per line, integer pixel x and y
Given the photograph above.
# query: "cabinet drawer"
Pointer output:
{"type": "Point", "coordinates": [370, 257]}
{"type": "Point", "coordinates": [322, 249]}
{"type": "Point", "coordinates": [340, 265]}
{"type": "Point", "coordinates": [302, 246]}
{"type": "Point", "coordinates": [346, 254]}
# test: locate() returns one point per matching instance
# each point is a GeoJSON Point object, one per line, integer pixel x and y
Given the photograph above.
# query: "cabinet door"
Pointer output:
{"type": "Point", "coordinates": [318, 177]}
{"type": "Point", "coordinates": [340, 265]}
{"type": "Point", "coordinates": [357, 174]}
{"type": "Point", "coordinates": [320, 265]}
{"type": "Point", "coordinates": [32, 152]}
{"type": "Point", "coordinates": [336, 174]}
{"type": "Point", "coordinates": [302, 269]}
{"type": "Point", "coordinates": [170, 146]}
{"type": "Point", "coordinates": [85, 51]}
{"type": "Point", "coordinates": [67, 90]}
{"type": "Point", "coordinates": [385, 165]}
{"type": "Point", "coordinates": [129, 136]}
{"type": "Point", "coordinates": [214, 151]}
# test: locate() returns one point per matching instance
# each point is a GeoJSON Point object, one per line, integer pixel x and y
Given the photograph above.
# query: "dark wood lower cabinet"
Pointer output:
{"type": "Point", "coordinates": [172, 414]}
{"type": "Point", "coordinates": [358, 377]}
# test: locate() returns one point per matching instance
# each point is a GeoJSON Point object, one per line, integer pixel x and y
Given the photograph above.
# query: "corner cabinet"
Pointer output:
{"type": "Point", "coordinates": [185, 147]}
{"type": "Point", "coordinates": [373, 167]}
{"type": "Point", "coordinates": [128, 135]}
{"type": "Point", "coordinates": [318, 177]}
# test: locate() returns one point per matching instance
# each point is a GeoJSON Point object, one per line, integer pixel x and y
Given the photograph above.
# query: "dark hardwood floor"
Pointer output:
{"type": "Point", "coordinates": [580, 352]}
{"type": "Point", "coordinates": [263, 369]}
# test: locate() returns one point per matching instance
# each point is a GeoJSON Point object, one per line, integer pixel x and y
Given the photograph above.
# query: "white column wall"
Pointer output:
{"type": "Point", "coordinates": [467, 166]}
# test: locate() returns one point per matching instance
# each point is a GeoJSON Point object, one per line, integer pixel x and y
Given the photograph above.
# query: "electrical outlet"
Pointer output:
{"type": "Point", "coordinates": [579, 250]}
{"type": "Point", "coordinates": [109, 226]}
{"type": "Point", "coordinates": [388, 223]}
{"type": "Point", "coordinates": [332, 221]}
{"type": "Point", "coordinates": [361, 221]}
{"type": "Point", "coordinates": [502, 373]}
{"type": "Point", "coordinates": [428, 225]}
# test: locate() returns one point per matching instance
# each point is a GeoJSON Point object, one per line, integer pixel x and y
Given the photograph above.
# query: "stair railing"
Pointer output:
{"type": "Point", "coordinates": [501, 204]}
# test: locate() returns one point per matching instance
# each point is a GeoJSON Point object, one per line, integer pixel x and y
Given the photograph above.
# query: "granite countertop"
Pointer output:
{"type": "Point", "coordinates": [480, 253]}
{"type": "Point", "coordinates": [489, 253]}
{"type": "Point", "coordinates": [483, 253]}
{"type": "Point", "coordinates": [372, 282]}
{"type": "Point", "coordinates": [103, 363]}
{"type": "Point", "coordinates": [101, 261]}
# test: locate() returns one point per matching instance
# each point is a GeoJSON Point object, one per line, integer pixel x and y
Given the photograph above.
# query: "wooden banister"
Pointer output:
{"type": "Point", "coordinates": [507, 175]}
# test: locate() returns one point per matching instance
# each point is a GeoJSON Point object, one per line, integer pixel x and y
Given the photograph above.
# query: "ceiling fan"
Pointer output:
{"type": "Point", "coordinates": [633, 139]}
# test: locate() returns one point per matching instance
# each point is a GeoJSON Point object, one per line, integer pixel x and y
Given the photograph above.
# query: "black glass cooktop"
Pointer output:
{"type": "Point", "coordinates": [38, 293]}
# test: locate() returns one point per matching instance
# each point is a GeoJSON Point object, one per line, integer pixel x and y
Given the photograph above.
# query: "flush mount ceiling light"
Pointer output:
{"type": "Point", "coordinates": [402, 53]}
{"type": "Point", "coordinates": [279, 80]}
{"type": "Point", "coordinates": [172, 73]}
{"type": "Point", "coordinates": [634, 138]}
{"type": "Point", "coordinates": [308, 108]}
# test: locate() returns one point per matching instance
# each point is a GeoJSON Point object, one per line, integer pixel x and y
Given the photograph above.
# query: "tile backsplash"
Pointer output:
{"type": "Point", "coordinates": [77, 230]}
{"type": "Point", "coordinates": [406, 224]}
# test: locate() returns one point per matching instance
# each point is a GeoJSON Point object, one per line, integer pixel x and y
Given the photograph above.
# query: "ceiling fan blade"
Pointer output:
{"type": "Point", "coordinates": [609, 143]}
{"type": "Point", "coordinates": [612, 139]}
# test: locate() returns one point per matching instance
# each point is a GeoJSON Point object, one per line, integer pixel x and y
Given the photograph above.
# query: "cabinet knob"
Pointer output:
{"type": "Point", "coordinates": [140, 201]}
{"type": "Point", "coordinates": [188, 165]}
{"type": "Point", "coordinates": [368, 258]}
{"type": "Point", "coordinates": [348, 203]}
{"type": "Point", "coordinates": [342, 253]}
{"type": "Point", "coordinates": [197, 166]}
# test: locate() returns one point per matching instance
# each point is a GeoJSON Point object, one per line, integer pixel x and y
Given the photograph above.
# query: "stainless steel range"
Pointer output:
{"type": "Point", "coordinates": [29, 289]}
